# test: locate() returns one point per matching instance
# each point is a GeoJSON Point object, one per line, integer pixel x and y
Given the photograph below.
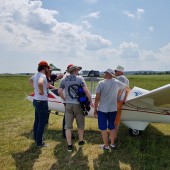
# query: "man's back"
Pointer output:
{"type": "Point", "coordinates": [108, 90]}
{"type": "Point", "coordinates": [70, 83]}
{"type": "Point", "coordinates": [124, 80]}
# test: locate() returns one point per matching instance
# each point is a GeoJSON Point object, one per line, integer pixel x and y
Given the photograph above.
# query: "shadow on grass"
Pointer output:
{"type": "Point", "coordinates": [65, 160]}
{"type": "Point", "coordinates": [148, 151]}
{"type": "Point", "coordinates": [25, 160]}
{"type": "Point", "coordinates": [75, 159]}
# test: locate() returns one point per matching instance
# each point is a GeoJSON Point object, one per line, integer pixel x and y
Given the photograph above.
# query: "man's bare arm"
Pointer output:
{"type": "Point", "coordinates": [96, 103]}
{"type": "Point", "coordinates": [60, 92]}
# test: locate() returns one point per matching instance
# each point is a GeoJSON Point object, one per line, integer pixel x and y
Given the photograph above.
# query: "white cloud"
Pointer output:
{"type": "Point", "coordinates": [91, 1]}
{"type": "Point", "coordinates": [94, 15]}
{"type": "Point", "coordinates": [137, 14]}
{"type": "Point", "coordinates": [34, 33]}
{"type": "Point", "coordinates": [130, 15]}
{"type": "Point", "coordinates": [86, 24]}
{"type": "Point", "coordinates": [151, 28]}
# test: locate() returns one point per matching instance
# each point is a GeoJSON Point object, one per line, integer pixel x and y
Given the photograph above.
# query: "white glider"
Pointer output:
{"type": "Point", "coordinates": [141, 108]}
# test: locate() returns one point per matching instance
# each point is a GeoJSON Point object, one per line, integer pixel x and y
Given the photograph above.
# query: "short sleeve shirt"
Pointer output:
{"type": "Point", "coordinates": [124, 80]}
{"type": "Point", "coordinates": [35, 79]}
{"type": "Point", "coordinates": [70, 84]}
{"type": "Point", "coordinates": [108, 89]}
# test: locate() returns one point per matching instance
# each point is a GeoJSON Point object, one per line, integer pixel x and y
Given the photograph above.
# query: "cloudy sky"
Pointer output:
{"type": "Point", "coordinates": [94, 34]}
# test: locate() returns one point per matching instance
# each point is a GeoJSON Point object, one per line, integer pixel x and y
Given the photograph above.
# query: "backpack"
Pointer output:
{"type": "Point", "coordinates": [76, 91]}
{"type": "Point", "coordinates": [84, 101]}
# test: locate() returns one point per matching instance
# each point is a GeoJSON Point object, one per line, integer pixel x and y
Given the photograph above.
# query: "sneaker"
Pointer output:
{"type": "Point", "coordinates": [112, 146]}
{"type": "Point", "coordinates": [70, 148]}
{"type": "Point", "coordinates": [104, 147]}
{"type": "Point", "coordinates": [82, 142]}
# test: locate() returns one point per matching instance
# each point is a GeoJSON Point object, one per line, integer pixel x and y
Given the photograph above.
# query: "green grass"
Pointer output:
{"type": "Point", "coordinates": [150, 151]}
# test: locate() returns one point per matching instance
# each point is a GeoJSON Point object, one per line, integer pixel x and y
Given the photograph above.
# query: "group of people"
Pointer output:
{"type": "Point", "coordinates": [111, 94]}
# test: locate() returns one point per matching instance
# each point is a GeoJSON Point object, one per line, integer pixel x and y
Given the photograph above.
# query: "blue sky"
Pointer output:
{"type": "Point", "coordinates": [94, 34]}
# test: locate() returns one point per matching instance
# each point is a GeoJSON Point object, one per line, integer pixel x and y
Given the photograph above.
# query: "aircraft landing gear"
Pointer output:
{"type": "Point", "coordinates": [135, 132]}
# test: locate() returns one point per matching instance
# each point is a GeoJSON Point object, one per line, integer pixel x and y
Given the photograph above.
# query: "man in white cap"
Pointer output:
{"type": "Point", "coordinates": [106, 106]}
{"type": "Point", "coordinates": [122, 95]}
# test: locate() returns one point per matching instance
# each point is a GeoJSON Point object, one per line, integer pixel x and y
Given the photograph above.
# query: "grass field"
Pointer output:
{"type": "Point", "coordinates": [150, 151]}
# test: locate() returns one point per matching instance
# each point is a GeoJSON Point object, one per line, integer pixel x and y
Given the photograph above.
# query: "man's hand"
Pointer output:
{"type": "Point", "coordinates": [41, 92]}
{"type": "Point", "coordinates": [60, 76]}
{"type": "Point", "coordinates": [95, 114]}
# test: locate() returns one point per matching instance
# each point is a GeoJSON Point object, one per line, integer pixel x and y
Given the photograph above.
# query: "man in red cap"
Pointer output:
{"type": "Point", "coordinates": [40, 102]}
{"type": "Point", "coordinates": [70, 84]}
{"type": "Point", "coordinates": [63, 125]}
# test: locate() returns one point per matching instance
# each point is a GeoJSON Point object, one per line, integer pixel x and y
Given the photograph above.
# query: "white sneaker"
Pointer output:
{"type": "Point", "coordinates": [104, 147]}
{"type": "Point", "coordinates": [112, 146]}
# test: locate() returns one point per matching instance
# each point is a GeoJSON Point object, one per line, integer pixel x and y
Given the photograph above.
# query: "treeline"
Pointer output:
{"type": "Point", "coordinates": [151, 72]}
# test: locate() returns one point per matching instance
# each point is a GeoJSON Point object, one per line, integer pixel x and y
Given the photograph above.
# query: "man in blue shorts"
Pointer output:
{"type": "Point", "coordinates": [106, 106]}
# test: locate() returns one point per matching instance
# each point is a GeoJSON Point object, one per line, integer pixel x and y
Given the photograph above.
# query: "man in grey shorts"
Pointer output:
{"type": "Point", "coordinates": [70, 84]}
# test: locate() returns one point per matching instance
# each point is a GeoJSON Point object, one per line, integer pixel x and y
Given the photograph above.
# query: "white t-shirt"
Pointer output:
{"type": "Point", "coordinates": [124, 80]}
{"type": "Point", "coordinates": [108, 89]}
{"type": "Point", "coordinates": [35, 79]}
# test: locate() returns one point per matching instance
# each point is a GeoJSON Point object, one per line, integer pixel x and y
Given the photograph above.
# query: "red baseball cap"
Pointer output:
{"type": "Point", "coordinates": [43, 63]}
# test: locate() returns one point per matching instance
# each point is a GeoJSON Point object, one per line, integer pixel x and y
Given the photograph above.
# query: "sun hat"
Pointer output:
{"type": "Point", "coordinates": [43, 63]}
{"type": "Point", "coordinates": [72, 67]}
{"type": "Point", "coordinates": [111, 72]}
{"type": "Point", "coordinates": [119, 68]}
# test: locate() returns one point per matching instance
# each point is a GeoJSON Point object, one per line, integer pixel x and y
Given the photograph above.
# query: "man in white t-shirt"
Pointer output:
{"type": "Point", "coordinates": [122, 95]}
{"type": "Point", "coordinates": [40, 102]}
{"type": "Point", "coordinates": [106, 106]}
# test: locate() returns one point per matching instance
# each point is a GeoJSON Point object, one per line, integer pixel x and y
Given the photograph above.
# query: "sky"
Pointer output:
{"type": "Point", "coordinates": [94, 34]}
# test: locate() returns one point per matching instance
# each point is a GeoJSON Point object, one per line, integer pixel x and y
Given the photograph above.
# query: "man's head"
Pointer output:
{"type": "Point", "coordinates": [43, 65]}
{"type": "Point", "coordinates": [49, 71]}
{"type": "Point", "coordinates": [72, 68]}
{"type": "Point", "coordinates": [109, 74]}
{"type": "Point", "coordinates": [119, 70]}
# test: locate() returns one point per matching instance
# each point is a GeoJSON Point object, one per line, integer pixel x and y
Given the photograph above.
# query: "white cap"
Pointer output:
{"type": "Point", "coordinates": [110, 71]}
{"type": "Point", "coordinates": [120, 68]}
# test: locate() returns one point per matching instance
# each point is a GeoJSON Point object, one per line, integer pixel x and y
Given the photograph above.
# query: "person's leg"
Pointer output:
{"type": "Point", "coordinates": [111, 126]}
{"type": "Point", "coordinates": [69, 117]}
{"type": "Point", "coordinates": [36, 120]}
{"type": "Point", "coordinates": [68, 136]}
{"type": "Point", "coordinates": [48, 116]}
{"type": "Point", "coordinates": [105, 137]}
{"type": "Point", "coordinates": [80, 120]}
{"type": "Point", "coordinates": [63, 127]}
{"type": "Point", "coordinates": [102, 124]}
{"type": "Point", "coordinates": [112, 136]}
{"type": "Point", "coordinates": [81, 134]}
{"type": "Point", "coordinates": [43, 114]}
{"type": "Point", "coordinates": [118, 117]}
